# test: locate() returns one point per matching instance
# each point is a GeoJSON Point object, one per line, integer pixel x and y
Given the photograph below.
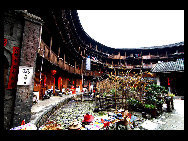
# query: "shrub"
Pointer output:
{"type": "Point", "coordinates": [155, 94]}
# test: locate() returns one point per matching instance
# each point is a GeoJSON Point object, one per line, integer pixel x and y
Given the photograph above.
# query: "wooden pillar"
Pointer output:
{"type": "Point", "coordinates": [158, 81]}
{"type": "Point", "coordinates": [89, 86]}
{"type": "Point", "coordinates": [82, 68]}
{"type": "Point", "coordinates": [40, 92]}
{"type": "Point", "coordinates": [60, 84]}
{"type": "Point", "coordinates": [75, 67]}
{"type": "Point", "coordinates": [81, 87]}
{"type": "Point", "coordinates": [54, 84]}
{"type": "Point", "coordinates": [64, 62]}
{"type": "Point", "coordinates": [115, 91]}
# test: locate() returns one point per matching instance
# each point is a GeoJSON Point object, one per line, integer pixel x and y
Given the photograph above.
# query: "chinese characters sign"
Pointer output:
{"type": "Point", "coordinates": [14, 68]}
{"type": "Point", "coordinates": [25, 75]}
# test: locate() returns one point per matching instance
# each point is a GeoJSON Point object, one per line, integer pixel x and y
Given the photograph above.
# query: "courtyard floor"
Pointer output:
{"type": "Point", "coordinates": [167, 120]}
{"type": "Point", "coordinates": [76, 110]}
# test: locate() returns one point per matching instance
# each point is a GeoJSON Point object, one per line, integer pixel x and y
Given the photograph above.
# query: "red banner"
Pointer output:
{"type": "Point", "coordinates": [14, 68]}
{"type": "Point", "coordinates": [168, 81]}
{"type": "Point", "coordinates": [5, 42]}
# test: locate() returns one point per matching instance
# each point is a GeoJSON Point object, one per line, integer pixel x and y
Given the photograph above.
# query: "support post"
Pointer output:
{"type": "Point", "coordinates": [29, 48]}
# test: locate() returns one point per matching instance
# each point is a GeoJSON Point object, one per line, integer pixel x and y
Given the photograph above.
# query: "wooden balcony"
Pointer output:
{"type": "Point", "coordinates": [148, 66]}
{"type": "Point", "coordinates": [45, 52]}
{"type": "Point", "coordinates": [130, 67]}
{"type": "Point", "coordinates": [138, 66]}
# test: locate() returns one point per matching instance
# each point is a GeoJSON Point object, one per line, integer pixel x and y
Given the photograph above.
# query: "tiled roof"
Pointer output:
{"type": "Point", "coordinates": [30, 16]}
{"type": "Point", "coordinates": [169, 66]}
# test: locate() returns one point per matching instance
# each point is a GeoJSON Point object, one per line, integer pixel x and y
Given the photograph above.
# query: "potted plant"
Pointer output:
{"type": "Point", "coordinates": [147, 108]}
{"type": "Point", "coordinates": [169, 102]}
{"type": "Point", "coordinates": [171, 95]}
{"type": "Point", "coordinates": [155, 95]}
{"type": "Point", "coordinates": [130, 105]}
{"type": "Point", "coordinates": [153, 111]}
{"type": "Point", "coordinates": [159, 105]}
{"type": "Point", "coordinates": [141, 106]}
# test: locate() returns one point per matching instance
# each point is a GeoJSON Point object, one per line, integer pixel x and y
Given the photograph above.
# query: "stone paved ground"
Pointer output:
{"type": "Point", "coordinates": [166, 121]}
{"type": "Point", "coordinates": [47, 102]}
{"type": "Point", "coordinates": [43, 106]}
{"type": "Point", "coordinates": [70, 111]}
{"type": "Point", "coordinates": [175, 119]}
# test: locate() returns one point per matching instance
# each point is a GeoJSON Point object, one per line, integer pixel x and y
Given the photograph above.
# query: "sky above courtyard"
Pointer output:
{"type": "Point", "coordinates": [133, 28]}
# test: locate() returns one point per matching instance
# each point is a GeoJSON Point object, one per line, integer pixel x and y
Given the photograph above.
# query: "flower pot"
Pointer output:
{"type": "Point", "coordinates": [146, 110]}
{"type": "Point", "coordinates": [153, 113]}
{"type": "Point", "coordinates": [159, 107]}
{"type": "Point", "coordinates": [130, 107]}
{"type": "Point", "coordinates": [144, 114]}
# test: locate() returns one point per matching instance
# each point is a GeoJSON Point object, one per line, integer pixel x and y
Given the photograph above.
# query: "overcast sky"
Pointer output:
{"type": "Point", "coordinates": [133, 28]}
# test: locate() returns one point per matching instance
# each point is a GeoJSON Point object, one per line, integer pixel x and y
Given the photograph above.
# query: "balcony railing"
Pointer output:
{"type": "Point", "coordinates": [48, 54]}
{"type": "Point", "coordinates": [148, 66]}
{"type": "Point", "coordinates": [129, 67]}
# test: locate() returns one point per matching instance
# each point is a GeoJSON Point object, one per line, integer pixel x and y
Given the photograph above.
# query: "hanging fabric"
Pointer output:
{"type": "Point", "coordinates": [14, 68]}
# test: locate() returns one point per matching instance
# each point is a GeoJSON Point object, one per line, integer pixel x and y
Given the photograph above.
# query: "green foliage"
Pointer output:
{"type": "Point", "coordinates": [101, 113]}
{"type": "Point", "coordinates": [112, 91]}
{"type": "Point", "coordinates": [149, 106]}
{"type": "Point", "coordinates": [171, 94]}
{"type": "Point", "coordinates": [156, 89]}
{"type": "Point", "coordinates": [155, 94]}
{"type": "Point", "coordinates": [104, 94]}
{"type": "Point", "coordinates": [134, 102]}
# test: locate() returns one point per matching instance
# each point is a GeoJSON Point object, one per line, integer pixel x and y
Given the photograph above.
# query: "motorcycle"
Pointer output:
{"type": "Point", "coordinates": [47, 94]}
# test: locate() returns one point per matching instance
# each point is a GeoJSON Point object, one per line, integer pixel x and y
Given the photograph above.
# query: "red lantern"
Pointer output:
{"type": "Point", "coordinates": [53, 72]}
{"type": "Point", "coordinates": [44, 80]}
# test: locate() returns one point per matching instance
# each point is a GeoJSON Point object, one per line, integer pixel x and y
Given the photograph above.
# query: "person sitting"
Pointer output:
{"type": "Point", "coordinates": [124, 120]}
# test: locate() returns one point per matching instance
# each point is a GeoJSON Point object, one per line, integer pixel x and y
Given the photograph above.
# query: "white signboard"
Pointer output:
{"type": "Point", "coordinates": [25, 75]}
{"type": "Point", "coordinates": [88, 63]}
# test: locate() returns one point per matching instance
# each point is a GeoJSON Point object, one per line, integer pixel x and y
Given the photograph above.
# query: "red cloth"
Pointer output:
{"type": "Point", "coordinates": [129, 115]}
{"type": "Point", "coordinates": [23, 122]}
{"type": "Point", "coordinates": [102, 120]}
{"type": "Point", "coordinates": [88, 118]}
{"type": "Point", "coordinates": [106, 124]}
